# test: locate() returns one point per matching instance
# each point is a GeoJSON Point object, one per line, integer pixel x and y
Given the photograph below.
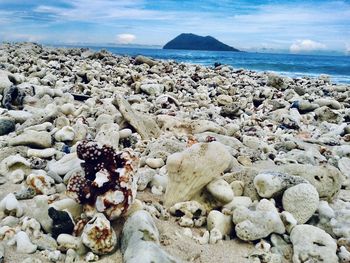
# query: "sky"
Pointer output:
{"type": "Point", "coordinates": [297, 26]}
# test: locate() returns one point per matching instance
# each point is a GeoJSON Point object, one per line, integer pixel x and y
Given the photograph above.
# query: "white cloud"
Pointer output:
{"type": "Point", "coordinates": [306, 45]}
{"type": "Point", "coordinates": [21, 37]}
{"type": "Point", "coordinates": [125, 38]}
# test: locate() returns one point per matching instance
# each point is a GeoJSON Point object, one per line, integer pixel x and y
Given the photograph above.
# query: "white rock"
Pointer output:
{"type": "Point", "coordinates": [186, 179]}
{"type": "Point", "coordinates": [259, 222]}
{"type": "Point", "coordinates": [238, 201]}
{"type": "Point", "coordinates": [220, 190]}
{"type": "Point", "coordinates": [301, 201]}
{"type": "Point", "coordinates": [344, 255]}
{"type": "Point", "coordinates": [66, 134]}
{"type": "Point", "coordinates": [33, 139]}
{"type": "Point", "coordinates": [159, 180]}
{"type": "Point", "coordinates": [68, 163]}
{"type": "Point", "coordinates": [15, 168]}
{"type": "Point", "coordinates": [219, 221]}
{"type": "Point", "coordinates": [312, 244]}
{"type": "Point", "coordinates": [224, 100]}
{"type": "Point", "coordinates": [125, 133]}
{"type": "Point", "coordinates": [271, 184]}
{"type": "Point", "coordinates": [237, 188]}
{"type": "Point", "coordinates": [215, 236]}
{"type": "Point", "coordinates": [288, 220]}
{"type": "Point", "coordinates": [46, 153]}
{"type": "Point", "coordinates": [108, 134]}
{"type": "Point", "coordinates": [155, 162]}
{"type": "Point", "coordinates": [10, 206]}
{"type": "Point", "coordinates": [66, 241]}
{"type": "Point", "coordinates": [24, 245]}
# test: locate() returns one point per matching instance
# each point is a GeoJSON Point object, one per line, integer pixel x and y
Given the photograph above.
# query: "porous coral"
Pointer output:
{"type": "Point", "coordinates": [108, 184]}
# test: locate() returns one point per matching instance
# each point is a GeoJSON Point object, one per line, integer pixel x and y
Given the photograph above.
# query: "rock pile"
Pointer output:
{"type": "Point", "coordinates": [103, 155]}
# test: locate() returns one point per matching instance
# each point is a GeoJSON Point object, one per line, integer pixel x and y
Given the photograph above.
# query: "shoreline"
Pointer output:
{"type": "Point", "coordinates": [337, 78]}
{"type": "Point", "coordinates": [181, 162]}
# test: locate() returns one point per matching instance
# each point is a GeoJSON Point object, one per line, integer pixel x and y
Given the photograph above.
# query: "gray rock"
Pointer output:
{"type": "Point", "coordinates": [145, 60]}
{"type": "Point", "coordinates": [33, 139]}
{"type": "Point", "coordinates": [140, 240]}
{"type": "Point", "coordinates": [6, 126]}
{"type": "Point", "coordinates": [143, 124]}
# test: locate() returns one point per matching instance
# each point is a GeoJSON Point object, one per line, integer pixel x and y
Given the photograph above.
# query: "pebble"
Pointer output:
{"type": "Point", "coordinates": [6, 126]}
{"type": "Point", "coordinates": [220, 190]}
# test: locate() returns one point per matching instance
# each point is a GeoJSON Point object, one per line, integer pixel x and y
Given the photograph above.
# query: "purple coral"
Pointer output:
{"type": "Point", "coordinates": [107, 184]}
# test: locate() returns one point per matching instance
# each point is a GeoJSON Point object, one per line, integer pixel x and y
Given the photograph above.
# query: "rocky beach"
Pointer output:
{"type": "Point", "coordinates": [107, 158]}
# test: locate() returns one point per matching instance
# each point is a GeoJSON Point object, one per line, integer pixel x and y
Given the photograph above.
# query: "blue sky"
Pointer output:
{"type": "Point", "coordinates": [295, 26]}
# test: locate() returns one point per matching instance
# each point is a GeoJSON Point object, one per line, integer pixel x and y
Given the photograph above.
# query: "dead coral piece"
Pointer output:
{"type": "Point", "coordinates": [108, 185]}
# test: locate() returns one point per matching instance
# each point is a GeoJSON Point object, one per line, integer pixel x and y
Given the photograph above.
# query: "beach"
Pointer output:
{"type": "Point", "coordinates": [112, 158]}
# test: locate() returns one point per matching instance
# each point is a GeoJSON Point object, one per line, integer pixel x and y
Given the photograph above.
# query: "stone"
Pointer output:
{"type": "Point", "coordinates": [66, 242]}
{"type": "Point", "coordinates": [259, 222]}
{"type": "Point", "coordinates": [186, 180]}
{"type": "Point", "coordinates": [108, 134]}
{"type": "Point", "coordinates": [326, 178]}
{"type": "Point", "coordinates": [326, 114]}
{"type": "Point", "coordinates": [139, 226]}
{"type": "Point", "coordinates": [10, 206]}
{"type": "Point", "coordinates": [65, 134]}
{"type": "Point", "coordinates": [191, 213]}
{"type": "Point", "coordinates": [33, 139]}
{"type": "Point", "coordinates": [224, 100]}
{"type": "Point", "coordinates": [5, 82]}
{"type": "Point", "coordinates": [99, 236]}
{"type": "Point", "coordinates": [145, 176]}
{"type": "Point", "coordinates": [343, 255]}
{"type": "Point", "coordinates": [140, 240]}
{"type": "Point", "coordinates": [344, 167]}
{"type": "Point", "coordinates": [61, 222]}
{"type": "Point", "coordinates": [238, 201]}
{"type": "Point", "coordinates": [45, 242]}
{"type": "Point", "coordinates": [15, 168]}
{"type": "Point", "coordinates": [276, 81]}
{"type": "Point", "coordinates": [301, 201]}
{"type": "Point", "coordinates": [152, 89]}
{"type": "Point", "coordinates": [311, 244]}
{"type": "Point", "coordinates": [220, 190]}
{"type": "Point", "coordinates": [6, 126]}
{"type": "Point", "coordinates": [142, 123]}
{"type": "Point", "coordinates": [68, 162]}
{"type": "Point", "coordinates": [46, 153]}
{"type": "Point", "coordinates": [270, 184]}
{"type": "Point", "coordinates": [41, 183]}
{"type": "Point", "coordinates": [155, 163]}
{"type": "Point", "coordinates": [237, 187]}
{"type": "Point", "coordinates": [69, 205]}
{"type": "Point", "coordinates": [219, 221]}
{"type": "Point", "coordinates": [24, 245]}
{"type": "Point", "coordinates": [145, 60]}
{"type": "Point", "coordinates": [40, 212]}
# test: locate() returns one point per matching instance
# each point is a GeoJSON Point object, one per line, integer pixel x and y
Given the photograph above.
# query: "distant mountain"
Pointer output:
{"type": "Point", "coordinates": [195, 42]}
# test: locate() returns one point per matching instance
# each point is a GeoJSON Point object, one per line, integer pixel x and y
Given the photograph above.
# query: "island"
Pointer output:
{"type": "Point", "coordinates": [189, 41]}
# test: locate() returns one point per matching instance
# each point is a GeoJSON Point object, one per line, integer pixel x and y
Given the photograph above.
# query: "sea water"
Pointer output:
{"type": "Point", "coordinates": [337, 67]}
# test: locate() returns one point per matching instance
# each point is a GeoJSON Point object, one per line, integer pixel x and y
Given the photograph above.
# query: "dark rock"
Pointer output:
{"type": "Point", "coordinates": [13, 98]}
{"type": "Point", "coordinates": [61, 222]}
{"type": "Point", "coordinates": [195, 42]}
{"type": "Point", "coordinates": [6, 126]}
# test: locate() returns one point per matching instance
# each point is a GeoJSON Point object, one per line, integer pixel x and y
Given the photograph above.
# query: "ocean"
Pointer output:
{"type": "Point", "coordinates": [337, 67]}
